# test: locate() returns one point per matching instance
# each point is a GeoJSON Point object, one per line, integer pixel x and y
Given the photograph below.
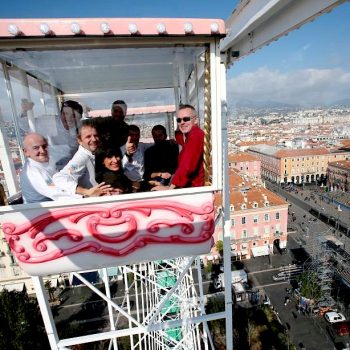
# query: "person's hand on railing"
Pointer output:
{"type": "Point", "coordinates": [98, 190]}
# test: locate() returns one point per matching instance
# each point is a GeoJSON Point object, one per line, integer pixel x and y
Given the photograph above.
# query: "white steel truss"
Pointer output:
{"type": "Point", "coordinates": [162, 306]}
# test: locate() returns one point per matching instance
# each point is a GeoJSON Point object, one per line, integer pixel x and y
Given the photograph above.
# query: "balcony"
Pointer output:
{"type": "Point", "coordinates": [245, 239]}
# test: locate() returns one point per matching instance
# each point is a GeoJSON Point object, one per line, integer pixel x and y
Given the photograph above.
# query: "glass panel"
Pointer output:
{"type": "Point", "coordinates": [10, 145]}
{"type": "Point", "coordinates": [144, 77]}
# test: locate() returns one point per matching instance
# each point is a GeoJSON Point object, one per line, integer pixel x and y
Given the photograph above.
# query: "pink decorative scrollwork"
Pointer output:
{"type": "Point", "coordinates": [115, 230]}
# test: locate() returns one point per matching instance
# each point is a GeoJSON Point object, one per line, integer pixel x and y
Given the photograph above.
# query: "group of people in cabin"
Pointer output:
{"type": "Point", "coordinates": [104, 156]}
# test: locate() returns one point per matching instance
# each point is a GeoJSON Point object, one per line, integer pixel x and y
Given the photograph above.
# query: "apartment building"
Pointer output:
{"type": "Point", "coordinates": [308, 165]}
{"type": "Point", "coordinates": [12, 277]}
{"type": "Point", "coordinates": [245, 164]}
{"type": "Point", "coordinates": [258, 219]}
{"type": "Point", "coordinates": [338, 175]}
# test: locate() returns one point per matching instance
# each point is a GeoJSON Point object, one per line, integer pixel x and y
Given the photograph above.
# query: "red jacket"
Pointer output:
{"type": "Point", "coordinates": [190, 171]}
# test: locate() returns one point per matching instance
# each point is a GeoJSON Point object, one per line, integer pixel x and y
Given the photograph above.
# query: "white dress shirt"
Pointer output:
{"type": "Point", "coordinates": [80, 170]}
{"type": "Point", "coordinates": [37, 184]}
{"type": "Point", "coordinates": [134, 167]}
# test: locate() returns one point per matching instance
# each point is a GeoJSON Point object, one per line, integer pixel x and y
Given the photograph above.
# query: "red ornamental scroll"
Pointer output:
{"type": "Point", "coordinates": [114, 230]}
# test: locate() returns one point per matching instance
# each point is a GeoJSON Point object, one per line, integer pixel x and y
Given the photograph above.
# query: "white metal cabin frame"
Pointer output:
{"type": "Point", "coordinates": [252, 25]}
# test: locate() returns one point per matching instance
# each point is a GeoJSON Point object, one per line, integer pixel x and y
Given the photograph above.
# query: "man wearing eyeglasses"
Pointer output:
{"type": "Point", "coordinates": [190, 171]}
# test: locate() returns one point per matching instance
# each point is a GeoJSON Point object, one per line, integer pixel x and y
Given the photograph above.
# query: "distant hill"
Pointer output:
{"type": "Point", "coordinates": [345, 102]}
{"type": "Point", "coordinates": [282, 105]}
{"type": "Point", "coordinates": [264, 104]}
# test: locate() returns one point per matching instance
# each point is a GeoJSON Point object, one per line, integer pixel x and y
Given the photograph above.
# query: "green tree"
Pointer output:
{"type": "Point", "coordinates": [21, 327]}
{"type": "Point", "coordinates": [219, 245]}
{"type": "Point", "coordinates": [310, 285]}
{"type": "Point", "coordinates": [50, 289]}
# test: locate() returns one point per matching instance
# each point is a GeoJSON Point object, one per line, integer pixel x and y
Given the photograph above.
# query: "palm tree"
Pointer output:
{"type": "Point", "coordinates": [50, 290]}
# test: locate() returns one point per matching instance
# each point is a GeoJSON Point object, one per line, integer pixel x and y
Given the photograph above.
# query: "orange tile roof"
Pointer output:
{"type": "Point", "coordinates": [241, 157]}
{"type": "Point", "coordinates": [253, 143]}
{"type": "Point", "coordinates": [341, 164]}
{"type": "Point", "coordinates": [258, 195]}
{"type": "Point", "coordinates": [301, 152]}
{"type": "Point", "coordinates": [345, 143]}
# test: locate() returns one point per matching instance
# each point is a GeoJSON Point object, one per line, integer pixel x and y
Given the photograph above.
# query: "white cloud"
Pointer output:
{"type": "Point", "coordinates": [305, 87]}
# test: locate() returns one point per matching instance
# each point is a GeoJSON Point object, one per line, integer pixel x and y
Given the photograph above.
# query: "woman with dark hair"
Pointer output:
{"type": "Point", "coordinates": [108, 169]}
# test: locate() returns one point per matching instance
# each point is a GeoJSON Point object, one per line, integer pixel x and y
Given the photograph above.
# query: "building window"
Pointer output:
{"type": "Point", "coordinates": [278, 228]}
{"type": "Point", "coordinates": [277, 216]}
{"type": "Point", "coordinates": [267, 217]}
{"type": "Point", "coordinates": [267, 230]}
{"type": "Point", "coordinates": [244, 233]}
{"type": "Point", "coordinates": [243, 206]}
{"type": "Point", "coordinates": [232, 222]}
{"type": "Point", "coordinates": [244, 220]}
{"type": "Point", "coordinates": [267, 204]}
{"type": "Point", "coordinates": [256, 219]}
{"type": "Point", "coordinates": [255, 204]}
{"type": "Point", "coordinates": [256, 231]}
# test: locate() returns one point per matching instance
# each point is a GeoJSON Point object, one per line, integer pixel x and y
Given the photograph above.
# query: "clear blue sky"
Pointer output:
{"type": "Point", "coordinates": [117, 8]}
{"type": "Point", "coordinates": [308, 66]}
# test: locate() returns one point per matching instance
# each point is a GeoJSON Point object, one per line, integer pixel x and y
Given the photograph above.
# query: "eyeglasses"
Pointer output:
{"type": "Point", "coordinates": [185, 119]}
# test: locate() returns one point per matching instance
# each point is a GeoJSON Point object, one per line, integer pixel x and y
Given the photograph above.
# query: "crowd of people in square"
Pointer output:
{"type": "Point", "coordinates": [104, 156]}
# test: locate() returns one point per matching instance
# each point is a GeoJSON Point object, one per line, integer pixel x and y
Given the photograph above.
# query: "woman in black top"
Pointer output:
{"type": "Point", "coordinates": [108, 169]}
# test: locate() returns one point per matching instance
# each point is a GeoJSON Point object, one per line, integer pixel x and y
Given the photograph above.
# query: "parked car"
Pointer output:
{"type": "Point", "coordinates": [333, 317]}
{"type": "Point", "coordinates": [339, 329]}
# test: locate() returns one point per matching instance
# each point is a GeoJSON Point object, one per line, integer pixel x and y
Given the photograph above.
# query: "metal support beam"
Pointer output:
{"type": "Point", "coordinates": [256, 23]}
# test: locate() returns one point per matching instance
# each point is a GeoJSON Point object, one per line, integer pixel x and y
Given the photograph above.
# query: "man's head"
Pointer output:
{"type": "Point", "coordinates": [71, 114]}
{"type": "Point", "coordinates": [118, 110]}
{"type": "Point", "coordinates": [88, 136]}
{"type": "Point", "coordinates": [159, 133]}
{"type": "Point", "coordinates": [186, 118]}
{"type": "Point", "coordinates": [26, 105]}
{"type": "Point", "coordinates": [35, 147]}
{"type": "Point", "coordinates": [134, 134]}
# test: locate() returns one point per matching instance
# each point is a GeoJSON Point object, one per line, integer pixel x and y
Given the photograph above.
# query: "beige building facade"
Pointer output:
{"type": "Point", "coordinates": [298, 166]}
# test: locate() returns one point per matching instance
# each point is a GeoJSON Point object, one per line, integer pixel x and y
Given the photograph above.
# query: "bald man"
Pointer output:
{"type": "Point", "coordinates": [36, 176]}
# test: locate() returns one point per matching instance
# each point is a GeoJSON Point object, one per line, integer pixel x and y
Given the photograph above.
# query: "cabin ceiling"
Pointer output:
{"type": "Point", "coordinates": [112, 69]}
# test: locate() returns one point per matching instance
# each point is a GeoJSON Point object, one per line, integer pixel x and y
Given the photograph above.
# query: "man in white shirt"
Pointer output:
{"type": "Point", "coordinates": [78, 176]}
{"type": "Point", "coordinates": [133, 157]}
{"type": "Point", "coordinates": [36, 176]}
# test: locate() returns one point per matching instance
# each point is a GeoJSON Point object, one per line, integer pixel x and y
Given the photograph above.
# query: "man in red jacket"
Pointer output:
{"type": "Point", "coordinates": [190, 171]}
